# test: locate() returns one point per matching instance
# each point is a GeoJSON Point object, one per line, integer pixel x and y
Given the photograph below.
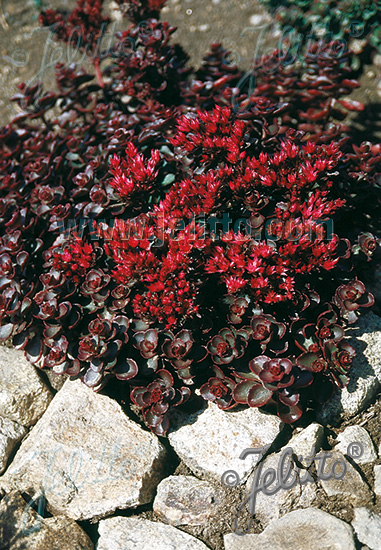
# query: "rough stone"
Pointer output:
{"type": "Point", "coordinates": [347, 444]}
{"type": "Point", "coordinates": [56, 381]}
{"type": "Point", "coordinates": [368, 527]}
{"type": "Point", "coordinates": [87, 457]}
{"type": "Point", "coordinates": [377, 480]}
{"type": "Point", "coordinates": [23, 396]}
{"type": "Point", "coordinates": [365, 374]}
{"type": "Point", "coordinates": [351, 483]}
{"type": "Point", "coordinates": [21, 528]}
{"type": "Point", "coordinates": [120, 533]}
{"type": "Point", "coordinates": [185, 500]}
{"type": "Point", "coordinates": [305, 444]}
{"type": "Point", "coordinates": [223, 436]}
{"type": "Point", "coordinates": [268, 508]}
{"type": "Point", "coordinates": [310, 529]}
{"type": "Point", "coordinates": [10, 434]}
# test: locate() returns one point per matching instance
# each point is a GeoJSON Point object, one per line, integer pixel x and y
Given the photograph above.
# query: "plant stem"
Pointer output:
{"type": "Point", "coordinates": [98, 72]}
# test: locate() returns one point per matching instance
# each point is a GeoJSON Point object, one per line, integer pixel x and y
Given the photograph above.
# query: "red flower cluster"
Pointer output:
{"type": "Point", "coordinates": [134, 177]}
{"type": "Point", "coordinates": [164, 290]}
{"type": "Point", "coordinates": [75, 260]}
{"type": "Point", "coordinates": [183, 233]}
{"type": "Point", "coordinates": [211, 136]}
{"type": "Point", "coordinates": [192, 197]}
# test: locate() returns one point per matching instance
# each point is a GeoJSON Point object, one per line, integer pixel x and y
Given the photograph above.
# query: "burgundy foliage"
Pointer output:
{"type": "Point", "coordinates": [172, 229]}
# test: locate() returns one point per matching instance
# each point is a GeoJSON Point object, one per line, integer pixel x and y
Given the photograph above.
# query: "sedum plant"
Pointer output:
{"type": "Point", "coordinates": [342, 20]}
{"type": "Point", "coordinates": [183, 232]}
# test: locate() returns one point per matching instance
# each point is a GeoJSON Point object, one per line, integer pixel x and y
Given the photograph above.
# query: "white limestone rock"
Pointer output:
{"type": "Point", "coordinates": [377, 480]}
{"type": "Point", "coordinates": [365, 374]}
{"type": "Point", "coordinates": [210, 442]}
{"type": "Point", "coordinates": [305, 444]}
{"type": "Point", "coordinates": [343, 478]}
{"type": "Point", "coordinates": [120, 533]}
{"type": "Point", "coordinates": [355, 442]}
{"type": "Point", "coordinates": [310, 529]}
{"type": "Point", "coordinates": [21, 528]}
{"type": "Point", "coordinates": [87, 457]}
{"type": "Point", "coordinates": [23, 396]}
{"type": "Point", "coordinates": [10, 434]}
{"type": "Point", "coordinates": [185, 500]}
{"type": "Point", "coordinates": [368, 527]}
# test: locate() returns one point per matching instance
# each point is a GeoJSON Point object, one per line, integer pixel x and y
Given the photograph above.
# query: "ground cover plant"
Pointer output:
{"type": "Point", "coordinates": [343, 20]}
{"type": "Point", "coordinates": [187, 233]}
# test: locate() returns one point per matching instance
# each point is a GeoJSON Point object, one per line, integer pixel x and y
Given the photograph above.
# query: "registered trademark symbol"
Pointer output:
{"type": "Point", "coordinates": [355, 450]}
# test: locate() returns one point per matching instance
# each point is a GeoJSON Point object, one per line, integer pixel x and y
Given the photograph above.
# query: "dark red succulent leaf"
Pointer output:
{"type": "Point", "coordinates": [312, 362]}
{"type": "Point", "coordinates": [289, 413]}
{"type": "Point", "coordinates": [269, 333]}
{"type": "Point", "coordinates": [350, 297]}
{"type": "Point", "coordinates": [125, 369]}
{"type": "Point", "coordinates": [237, 309]}
{"type": "Point", "coordinates": [273, 373]}
{"type": "Point", "coordinates": [327, 327]}
{"type": "Point", "coordinates": [219, 389]}
{"type": "Point", "coordinates": [146, 342]}
{"type": "Point", "coordinates": [57, 352]}
{"type": "Point", "coordinates": [83, 28]}
{"type": "Point", "coordinates": [177, 348]}
{"type": "Point", "coordinates": [149, 213]}
{"type": "Point", "coordinates": [367, 243]}
{"type": "Point", "coordinates": [227, 345]}
{"type": "Point", "coordinates": [340, 356]}
{"type": "Point", "coordinates": [88, 348]}
{"type": "Point", "coordinates": [101, 327]}
{"type": "Point", "coordinates": [94, 282]}
{"type": "Point", "coordinates": [156, 398]}
{"type": "Point", "coordinates": [6, 331]}
{"type": "Point", "coordinates": [252, 393]}
{"type": "Point", "coordinates": [121, 324]}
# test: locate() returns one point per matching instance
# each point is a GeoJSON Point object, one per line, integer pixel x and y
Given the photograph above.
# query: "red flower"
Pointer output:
{"type": "Point", "coordinates": [134, 176]}
{"type": "Point", "coordinates": [74, 260]}
{"type": "Point", "coordinates": [212, 136]}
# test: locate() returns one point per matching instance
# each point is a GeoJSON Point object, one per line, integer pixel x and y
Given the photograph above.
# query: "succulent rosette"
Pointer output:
{"type": "Point", "coordinates": [310, 337]}
{"type": "Point", "coordinates": [273, 380]}
{"type": "Point", "coordinates": [177, 348]}
{"type": "Point", "coordinates": [269, 333]}
{"type": "Point", "coordinates": [366, 244]}
{"type": "Point", "coordinates": [237, 309]}
{"type": "Point", "coordinates": [219, 389]}
{"type": "Point", "coordinates": [146, 342]}
{"type": "Point", "coordinates": [269, 376]}
{"type": "Point", "coordinates": [156, 398]}
{"type": "Point", "coordinates": [350, 297]}
{"type": "Point", "coordinates": [227, 345]}
{"type": "Point", "coordinates": [173, 229]}
{"type": "Point", "coordinates": [95, 284]}
{"type": "Point", "coordinates": [312, 362]}
{"type": "Point", "coordinates": [340, 357]}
